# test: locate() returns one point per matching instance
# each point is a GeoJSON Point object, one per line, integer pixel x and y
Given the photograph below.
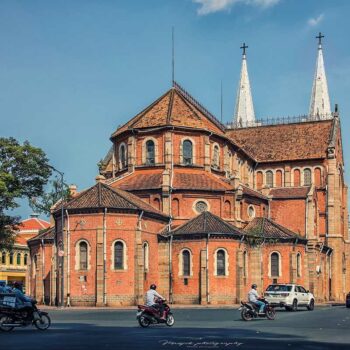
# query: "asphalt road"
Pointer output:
{"type": "Point", "coordinates": [323, 328]}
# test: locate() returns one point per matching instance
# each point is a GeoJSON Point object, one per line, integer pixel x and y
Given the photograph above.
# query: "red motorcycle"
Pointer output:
{"type": "Point", "coordinates": [147, 315]}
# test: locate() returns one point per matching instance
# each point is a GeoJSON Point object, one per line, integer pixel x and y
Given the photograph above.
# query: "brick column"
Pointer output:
{"type": "Point", "coordinates": [163, 270]}
{"type": "Point", "coordinates": [131, 153]}
{"type": "Point", "coordinates": [139, 268]}
{"type": "Point", "coordinates": [203, 277]}
{"type": "Point", "coordinates": [240, 285]}
{"type": "Point", "coordinates": [168, 155]}
{"type": "Point", "coordinates": [99, 267]}
{"type": "Point", "coordinates": [256, 270]}
{"type": "Point", "coordinates": [166, 198]}
{"type": "Point", "coordinates": [207, 162]}
{"type": "Point", "coordinates": [287, 176]}
{"type": "Point", "coordinates": [293, 267]}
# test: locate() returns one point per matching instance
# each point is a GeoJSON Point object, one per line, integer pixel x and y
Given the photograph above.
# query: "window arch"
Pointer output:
{"type": "Point", "coordinates": [176, 207]}
{"type": "Point", "coordinates": [298, 265]}
{"type": "Point", "coordinates": [187, 152]}
{"type": "Point", "coordinates": [216, 157]}
{"type": "Point", "coordinates": [275, 264]}
{"type": "Point", "coordinates": [259, 180]}
{"type": "Point", "coordinates": [83, 255]}
{"type": "Point", "coordinates": [296, 175]}
{"type": "Point", "coordinates": [122, 156]}
{"type": "Point", "coordinates": [269, 178]}
{"type": "Point", "coordinates": [221, 263]}
{"type": "Point", "coordinates": [146, 256]}
{"type": "Point", "coordinates": [307, 177]}
{"type": "Point", "coordinates": [11, 258]}
{"type": "Point", "coordinates": [25, 260]}
{"type": "Point", "coordinates": [279, 179]}
{"type": "Point", "coordinates": [156, 203]}
{"type": "Point", "coordinates": [318, 177]}
{"type": "Point", "coordinates": [3, 258]}
{"type": "Point", "coordinates": [186, 263]}
{"type": "Point", "coordinates": [118, 255]}
{"type": "Point", "coordinates": [150, 153]}
{"type": "Point", "coordinates": [227, 209]}
{"type": "Point", "coordinates": [18, 259]}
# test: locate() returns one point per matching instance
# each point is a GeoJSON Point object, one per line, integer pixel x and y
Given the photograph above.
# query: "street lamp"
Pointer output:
{"type": "Point", "coordinates": [57, 249]}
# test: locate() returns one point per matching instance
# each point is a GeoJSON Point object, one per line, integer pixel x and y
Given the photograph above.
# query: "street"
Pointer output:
{"type": "Point", "coordinates": [324, 328]}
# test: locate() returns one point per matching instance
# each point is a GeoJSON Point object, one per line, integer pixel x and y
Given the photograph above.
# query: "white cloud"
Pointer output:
{"type": "Point", "coordinates": [211, 6]}
{"type": "Point", "coordinates": [313, 22]}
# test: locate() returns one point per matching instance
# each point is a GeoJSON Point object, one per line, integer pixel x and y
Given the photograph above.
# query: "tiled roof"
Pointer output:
{"type": "Point", "coordinates": [269, 229]}
{"type": "Point", "coordinates": [252, 193]}
{"type": "Point", "coordinates": [289, 192]}
{"type": "Point", "coordinates": [176, 108]}
{"type": "Point", "coordinates": [198, 180]}
{"type": "Point", "coordinates": [207, 223]}
{"type": "Point", "coordinates": [307, 140]}
{"type": "Point", "coordinates": [33, 224]}
{"type": "Point", "coordinates": [46, 235]}
{"type": "Point", "coordinates": [104, 196]}
{"type": "Point", "coordinates": [140, 180]}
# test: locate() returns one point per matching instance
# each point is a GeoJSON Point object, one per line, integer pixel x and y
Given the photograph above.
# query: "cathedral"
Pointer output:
{"type": "Point", "coordinates": [203, 209]}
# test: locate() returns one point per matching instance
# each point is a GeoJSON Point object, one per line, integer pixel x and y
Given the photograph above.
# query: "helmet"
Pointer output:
{"type": "Point", "coordinates": [254, 286]}
{"type": "Point", "coordinates": [153, 286]}
{"type": "Point", "coordinates": [16, 285]}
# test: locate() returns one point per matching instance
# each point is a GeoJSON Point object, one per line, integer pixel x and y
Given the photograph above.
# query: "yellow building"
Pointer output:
{"type": "Point", "coordinates": [13, 264]}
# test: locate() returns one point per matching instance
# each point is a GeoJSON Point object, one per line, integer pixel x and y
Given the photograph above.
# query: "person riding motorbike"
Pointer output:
{"type": "Point", "coordinates": [253, 297]}
{"type": "Point", "coordinates": [151, 296]}
{"type": "Point", "coordinates": [23, 302]}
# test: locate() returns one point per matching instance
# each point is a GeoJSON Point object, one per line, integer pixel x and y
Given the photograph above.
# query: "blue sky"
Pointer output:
{"type": "Point", "coordinates": [72, 71]}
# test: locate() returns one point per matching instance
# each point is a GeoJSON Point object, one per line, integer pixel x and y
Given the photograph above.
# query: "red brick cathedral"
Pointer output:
{"type": "Point", "coordinates": [203, 210]}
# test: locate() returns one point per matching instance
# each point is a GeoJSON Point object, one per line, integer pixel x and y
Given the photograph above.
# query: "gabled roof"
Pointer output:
{"type": "Point", "coordinates": [104, 196]}
{"type": "Point", "coordinates": [247, 191]}
{"type": "Point", "coordinates": [47, 235]}
{"type": "Point", "coordinates": [33, 224]}
{"type": "Point", "coordinates": [269, 229]}
{"type": "Point", "coordinates": [140, 180]}
{"type": "Point", "coordinates": [289, 192]}
{"type": "Point", "coordinates": [207, 222]}
{"type": "Point", "coordinates": [175, 108]}
{"type": "Point", "coordinates": [274, 143]}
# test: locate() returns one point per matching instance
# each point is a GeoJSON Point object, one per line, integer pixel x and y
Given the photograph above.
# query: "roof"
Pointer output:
{"type": "Point", "coordinates": [45, 235]}
{"type": "Point", "coordinates": [274, 143]}
{"type": "Point", "coordinates": [269, 229]}
{"type": "Point", "coordinates": [191, 179]}
{"type": "Point", "coordinates": [33, 223]}
{"type": "Point", "coordinates": [207, 222]}
{"type": "Point", "coordinates": [174, 108]}
{"type": "Point", "coordinates": [252, 193]}
{"type": "Point", "coordinates": [140, 180]}
{"type": "Point", "coordinates": [289, 192]}
{"type": "Point", "coordinates": [104, 196]}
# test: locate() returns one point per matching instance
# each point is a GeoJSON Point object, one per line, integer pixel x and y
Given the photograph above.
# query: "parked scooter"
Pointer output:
{"type": "Point", "coordinates": [11, 318]}
{"type": "Point", "coordinates": [147, 315]}
{"type": "Point", "coordinates": [250, 310]}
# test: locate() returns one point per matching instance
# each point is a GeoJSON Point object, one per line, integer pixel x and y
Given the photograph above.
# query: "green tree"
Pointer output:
{"type": "Point", "coordinates": [24, 171]}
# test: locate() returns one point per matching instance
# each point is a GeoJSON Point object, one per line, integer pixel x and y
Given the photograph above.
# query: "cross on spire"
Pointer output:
{"type": "Point", "coordinates": [243, 47]}
{"type": "Point", "coordinates": [319, 37]}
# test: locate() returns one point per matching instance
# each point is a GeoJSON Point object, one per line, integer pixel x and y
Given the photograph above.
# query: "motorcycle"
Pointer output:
{"type": "Point", "coordinates": [250, 310]}
{"type": "Point", "coordinates": [11, 318]}
{"type": "Point", "coordinates": [147, 315]}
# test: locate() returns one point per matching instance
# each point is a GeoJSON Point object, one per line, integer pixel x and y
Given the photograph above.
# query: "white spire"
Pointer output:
{"type": "Point", "coordinates": [319, 104]}
{"type": "Point", "coordinates": [244, 110]}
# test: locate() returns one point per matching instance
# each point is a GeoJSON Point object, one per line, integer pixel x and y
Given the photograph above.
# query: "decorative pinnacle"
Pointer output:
{"type": "Point", "coordinates": [243, 47]}
{"type": "Point", "coordinates": [319, 37]}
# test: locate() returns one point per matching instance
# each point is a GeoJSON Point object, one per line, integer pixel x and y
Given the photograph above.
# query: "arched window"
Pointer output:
{"type": "Point", "coordinates": [318, 177]}
{"type": "Point", "coordinates": [298, 264]}
{"type": "Point", "coordinates": [307, 177]}
{"type": "Point", "coordinates": [156, 203]}
{"type": "Point", "coordinates": [3, 258]}
{"type": "Point", "coordinates": [227, 209]}
{"type": "Point", "coordinates": [25, 260]}
{"type": "Point", "coordinates": [118, 256]}
{"type": "Point", "coordinates": [83, 256]}
{"type": "Point", "coordinates": [269, 178]}
{"type": "Point", "coordinates": [176, 207]}
{"type": "Point", "coordinates": [278, 178]}
{"type": "Point", "coordinates": [122, 156]}
{"type": "Point", "coordinates": [296, 174]}
{"type": "Point", "coordinates": [187, 149]}
{"type": "Point", "coordinates": [275, 265]}
{"type": "Point", "coordinates": [216, 157]}
{"type": "Point", "coordinates": [11, 258]}
{"type": "Point", "coordinates": [259, 180]}
{"type": "Point", "coordinates": [186, 263]}
{"type": "Point", "coordinates": [18, 260]}
{"type": "Point", "coordinates": [220, 263]}
{"type": "Point", "coordinates": [146, 256]}
{"type": "Point", "coordinates": [150, 153]}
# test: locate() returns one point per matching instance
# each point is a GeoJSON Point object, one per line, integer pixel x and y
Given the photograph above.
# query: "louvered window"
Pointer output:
{"type": "Point", "coordinates": [269, 178]}
{"type": "Point", "coordinates": [11, 258]}
{"type": "Point", "coordinates": [220, 263]}
{"type": "Point", "coordinates": [307, 177]}
{"type": "Point", "coordinates": [119, 256]}
{"type": "Point", "coordinates": [18, 259]}
{"type": "Point", "coordinates": [3, 258]}
{"type": "Point", "coordinates": [83, 254]}
{"type": "Point", "coordinates": [275, 264]}
{"type": "Point", "coordinates": [150, 153]}
{"type": "Point", "coordinates": [186, 263]}
{"type": "Point", "coordinates": [122, 156]}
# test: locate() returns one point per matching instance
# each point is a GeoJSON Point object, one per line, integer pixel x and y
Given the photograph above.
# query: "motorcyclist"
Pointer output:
{"type": "Point", "coordinates": [253, 297]}
{"type": "Point", "coordinates": [23, 302]}
{"type": "Point", "coordinates": [151, 296]}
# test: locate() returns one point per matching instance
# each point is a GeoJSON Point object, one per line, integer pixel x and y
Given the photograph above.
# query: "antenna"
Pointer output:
{"type": "Point", "coordinates": [221, 100]}
{"type": "Point", "coordinates": [173, 57]}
